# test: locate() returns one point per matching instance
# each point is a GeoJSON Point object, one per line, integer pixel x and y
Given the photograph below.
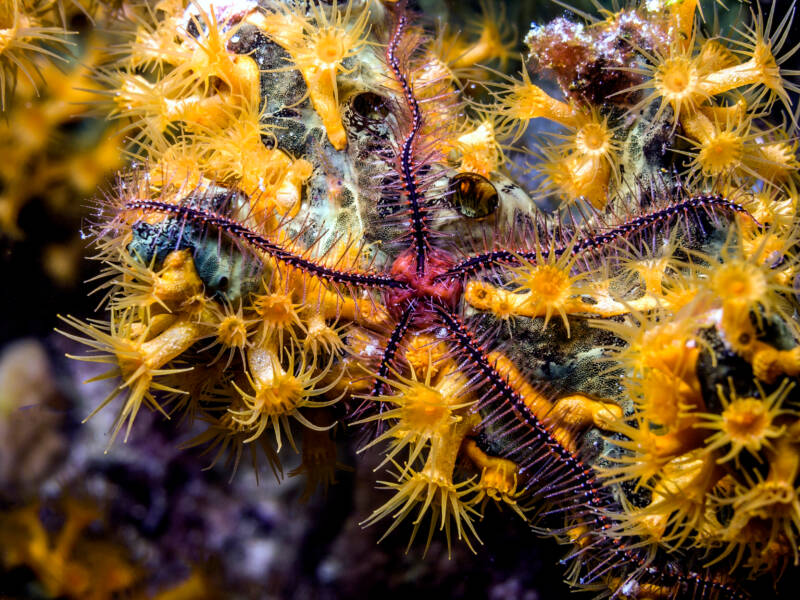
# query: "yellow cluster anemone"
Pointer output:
{"type": "Point", "coordinates": [319, 47]}
{"type": "Point", "coordinates": [746, 423]}
{"type": "Point", "coordinates": [41, 161]}
{"type": "Point", "coordinates": [690, 457]}
{"type": "Point", "coordinates": [551, 283]}
{"type": "Point", "coordinates": [257, 286]}
{"type": "Point", "coordinates": [718, 98]}
{"type": "Point", "coordinates": [486, 39]}
{"type": "Point", "coordinates": [281, 337]}
{"type": "Point", "coordinates": [200, 84]}
{"type": "Point", "coordinates": [420, 413]}
{"type": "Point", "coordinates": [31, 31]}
{"type": "Point", "coordinates": [278, 393]}
{"type": "Point", "coordinates": [70, 562]}
{"type": "Point", "coordinates": [584, 162]}
{"type": "Point", "coordinates": [477, 149]}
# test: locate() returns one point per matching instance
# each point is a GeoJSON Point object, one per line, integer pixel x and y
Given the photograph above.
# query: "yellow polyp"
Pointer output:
{"type": "Point", "coordinates": [742, 283]}
{"type": "Point", "coordinates": [78, 517]}
{"type": "Point", "coordinates": [426, 352]}
{"type": "Point", "coordinates": [765, 246]}
{"type": "Point", "coordinates": [668, 399]}
{"type": "Point", "coordinates": [435, 488]}
{"type": "Point", "coordinates": [721, 154]}
{"type": "Point", "coordinates": [172, 342]}
{"type": "Point", "coordinates": [139, 362]}
{"type": "Point", "coordinates": [770, 363]}
{"type": "Point", "coordinates": [766, 511]}
{"type": "Point", "coordinates": [651, 272]}
{"type": "Point", "coordinates": [714, 56]}
{"type": "Point", "coordinates": [245, 79]}
{"type": "Point", "coordinates": [578, 536]}
{"type": "Point", "coordinates": [229, 328]}
{"type": "Point", "coordinates": [499, 477]}
{"type": "Point", "coordinates": [785, 464]}
{"type": "Point", "coordinates": [644, 456]}
{"type": "Point", "coordinates": [601, 304]}
{"type": "Point", "coordinates": [526, 101]}
{"type": "Point", "coordinates": [289, 193]}
{"type": "Point", "coordinates": [158, 47]}
{"type": "Point", "coordinates": [364, 347]}
{"type": "Point", "coordinates": [322, 337]}
{"type": "Point", "coordinates": [278, 393]}
{"type": "Point", "coordinates": [578, 412]}
{"type": "Point", "coordinates": [733, 114]}
{"type": "Point", "coordinates": [478, 150]}
{"type": "Point", "coordinates": [273, 181]}
{"type": "Point", "coordinates": [232, 331]}
{"type": "Point", "coordinates": [580, 176]}
{"type": "Point", "coordinates": [496, 41]}
{"type": "Point", "coordinates": [318, 50]}
{"type": "Point", "coordinates": [746, 423]}
{"type": "Point", "coordinates": [680, 497]}
{"type": "Point", "coordinates": [593, 139]}
{"type": "Point", "coordinates": [486, 48]}
{"type": "Point", "coordinates": [9, 18]}
{"type": "Point", "coordinates": [776, 161]}
{"type": "Point", "coordinates": [547, 291]}
{"type": "Point", "coordinates": [543, 288]}
{"type": "Point", "coordinates": [277, 314]}
{"type": "Point", "coordinates": [197, 111]}
{"type": "Point", "coordinates": [177, 281]}
{"type": "Point", "coordinates": [502, 473]}
{"type": "Point", "coordinates": [285, 27]}
{"type": "Point", "coordinates": [359, 309]}
{"type": "Point", "coordinates": [678, 81]}
{"type": "Point", "coordinates": [420, 410]}
{"type": "Point", "coordinates": [720, 149]}
{"type": "Point", "coordinates": [759, 70]}
{"type": "Point", "coordinates": [324, 99]}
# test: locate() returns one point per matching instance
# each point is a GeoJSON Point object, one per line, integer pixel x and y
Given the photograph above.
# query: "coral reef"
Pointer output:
{"type": "Point", "coordinates": [342, 224]}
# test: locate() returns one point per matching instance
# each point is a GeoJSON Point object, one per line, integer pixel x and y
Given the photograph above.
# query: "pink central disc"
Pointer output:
{"type": "Point", "coordinates": [422, 287]}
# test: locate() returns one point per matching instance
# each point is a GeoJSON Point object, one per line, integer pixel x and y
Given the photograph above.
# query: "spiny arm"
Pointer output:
{"type": "Point", "coordinates": [276, 251]}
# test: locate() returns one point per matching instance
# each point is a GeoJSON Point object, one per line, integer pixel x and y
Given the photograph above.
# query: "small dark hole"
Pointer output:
{"type": "Point", "coordinates": [369, 105]}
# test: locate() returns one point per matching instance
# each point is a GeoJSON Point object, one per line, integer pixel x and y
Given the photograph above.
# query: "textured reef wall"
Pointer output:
{"type": "Point", "coordinates": [552, 293]}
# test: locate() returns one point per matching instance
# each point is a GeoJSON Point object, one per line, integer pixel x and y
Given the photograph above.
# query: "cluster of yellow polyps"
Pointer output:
{"type": "Point", "coordinates": [45, 67]}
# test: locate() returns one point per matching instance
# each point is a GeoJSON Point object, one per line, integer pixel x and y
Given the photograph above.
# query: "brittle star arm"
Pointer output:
{"type": "Point", "coordinates": [273, 249]}
{"type": "Point", "coordinates": [479, 262]}
{"type": "Point", "coordinates": [571, 486]}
